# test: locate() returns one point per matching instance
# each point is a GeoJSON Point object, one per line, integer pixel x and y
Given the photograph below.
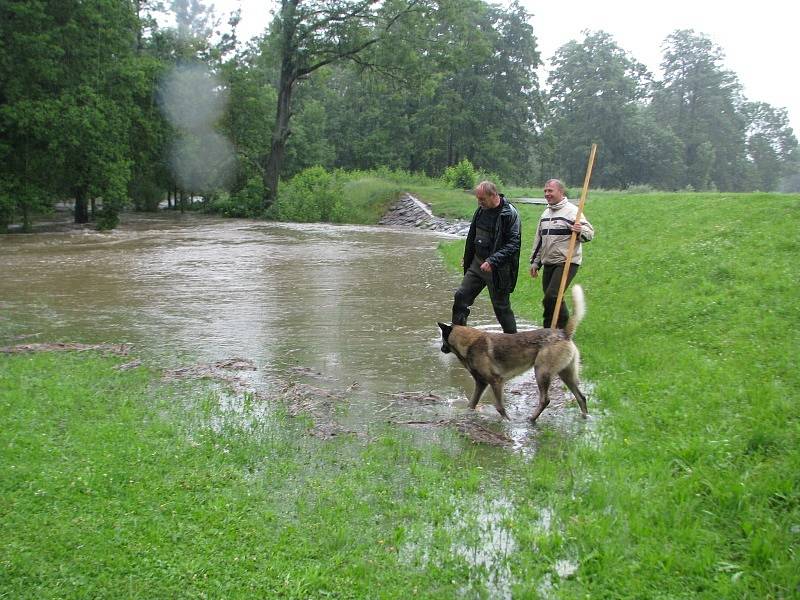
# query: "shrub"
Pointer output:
{"type": "Point", "coordinates": [461, 176]}
{"type": "Point", "coordinates": [308, 197]}
{"type": "Point", "coordinates": [249, 201]}
{"type": "Point", "coordinates": [245, 203]}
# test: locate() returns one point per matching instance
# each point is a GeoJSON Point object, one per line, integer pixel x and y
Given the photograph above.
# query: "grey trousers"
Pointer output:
{"type": "Point", "coordinates": [473, 283]}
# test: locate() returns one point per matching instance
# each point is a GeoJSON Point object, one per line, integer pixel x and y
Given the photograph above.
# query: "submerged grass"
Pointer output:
{"type": "Point", "coordinates": [689, 486]}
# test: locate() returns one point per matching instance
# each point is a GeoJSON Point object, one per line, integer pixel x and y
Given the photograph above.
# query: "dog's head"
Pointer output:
{"type": "Point", "coordinates": [446, 329]}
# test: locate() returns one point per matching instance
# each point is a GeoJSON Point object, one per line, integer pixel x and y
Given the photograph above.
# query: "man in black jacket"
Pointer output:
{"type": "Point", "coordinates": [491, 257]}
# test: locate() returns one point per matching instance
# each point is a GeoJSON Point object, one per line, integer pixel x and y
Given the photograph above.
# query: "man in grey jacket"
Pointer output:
{"type": "Point", "coordinates": [551, 245]}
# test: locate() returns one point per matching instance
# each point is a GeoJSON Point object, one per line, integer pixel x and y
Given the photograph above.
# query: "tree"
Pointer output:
{"type": "Point", "coordinates": [771, 144]}
{"type": "Point", "coordinates": [310, 35]}
{"type": "Point", "coordinates": [458, 83]}
{"type": "Point", "coordinates": [700, 101]}
{"type": "Point", "coordinates": [66, 104]}
{"type": "Point", "coordinates": [597, 92]}
{"type": "Point", "coordinates": [29, 69]}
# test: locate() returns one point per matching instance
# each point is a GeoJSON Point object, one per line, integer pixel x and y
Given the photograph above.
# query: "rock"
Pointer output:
{"type": "Point", "coordinates": [408, 211]}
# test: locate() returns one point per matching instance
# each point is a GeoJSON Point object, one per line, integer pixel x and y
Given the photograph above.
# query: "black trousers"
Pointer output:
{"type": "Point", "coordinates": [473, 283]}
{"type": "Point", "coordinates": [551, 281]}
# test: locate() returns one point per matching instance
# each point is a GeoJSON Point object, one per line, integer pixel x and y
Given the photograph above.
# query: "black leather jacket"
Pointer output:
{"type": "Point", "coordinates": [504, 256]}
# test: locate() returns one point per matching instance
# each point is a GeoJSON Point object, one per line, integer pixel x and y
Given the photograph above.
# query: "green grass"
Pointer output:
{"type": "Point", "coordinates": [113, 487]}
{"type": "Point", "coordinates": [691, 339]}
{"type": "Point", "coordinates": [364, 201]}
{"type": "Point", "coordinates": [685, 484]}
{"type": "Point", "coordinates": [450, 203]}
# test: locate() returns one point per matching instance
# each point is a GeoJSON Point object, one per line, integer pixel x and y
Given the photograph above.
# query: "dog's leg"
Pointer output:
{"type": "Point", "coordinates": [497, 389]}
{"type": "Point", "coordinates": [543, 381]}
{"type": "Point", "coordinates": [570, 377]}
{"type": "Point", "coordinates": [480, 386]}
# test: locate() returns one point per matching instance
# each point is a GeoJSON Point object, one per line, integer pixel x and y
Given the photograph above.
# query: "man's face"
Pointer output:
{"type": "Point", "coordinates": [486, 200]}
{"type": "Point", "coordinates": [553, 193]}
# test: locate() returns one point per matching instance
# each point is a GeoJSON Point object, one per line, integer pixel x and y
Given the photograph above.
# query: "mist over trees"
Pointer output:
{"type": "Point", "coordinates": [100, 104]}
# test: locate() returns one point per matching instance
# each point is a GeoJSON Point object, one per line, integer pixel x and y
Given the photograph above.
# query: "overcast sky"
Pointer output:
{"type": "Point", "coordinates": [759, 39]}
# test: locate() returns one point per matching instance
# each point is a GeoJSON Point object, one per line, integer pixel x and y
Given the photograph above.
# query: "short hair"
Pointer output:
{"type": "Point", "coordinates": [557, 183]}
{"type": "Point", "coordinates": [486, 187]}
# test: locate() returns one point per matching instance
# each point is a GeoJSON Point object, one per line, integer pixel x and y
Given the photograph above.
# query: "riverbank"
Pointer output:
{"type": "Point", "coordinates": [691, 342]}
{"type": "Point", "coordinates": [688, 487]}
{"type": "Point", "coordinates": [410, 211]}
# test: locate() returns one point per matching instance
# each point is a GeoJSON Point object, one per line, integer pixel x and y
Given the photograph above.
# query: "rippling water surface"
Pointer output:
{"type": "Point", "coordinates": [358, 305]}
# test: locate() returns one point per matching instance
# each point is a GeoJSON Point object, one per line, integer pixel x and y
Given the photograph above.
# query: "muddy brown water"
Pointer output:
{"type": "Point", "coordinates": [336, 306]}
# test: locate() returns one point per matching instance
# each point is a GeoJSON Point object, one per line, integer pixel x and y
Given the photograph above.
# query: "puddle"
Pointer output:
{"type": "Point", "coordinates": [480, 537]}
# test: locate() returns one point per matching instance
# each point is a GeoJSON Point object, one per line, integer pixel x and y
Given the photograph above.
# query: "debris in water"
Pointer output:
{"type": "Point", "coordinates": [118, 349]}
{"type": "Point", "coordinates": [467, 427]}
{"type": "Point", "coordinates": [216, 370]}
{"type": "Point", "coordinates": [482, 435]}
{"type": "Point", "coordinates": [419, 397]}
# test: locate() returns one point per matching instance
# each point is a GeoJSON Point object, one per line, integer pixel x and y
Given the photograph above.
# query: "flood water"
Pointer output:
{"type": "Point", "coordinates": [355, 305]}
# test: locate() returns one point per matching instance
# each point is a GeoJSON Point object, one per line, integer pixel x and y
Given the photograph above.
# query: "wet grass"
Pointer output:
{"type": "Point", "coordinates": [114, 486]}
{"type": "Point", "coordinates": [691, 338]}
{"type": "Point", "coordinates": [366, 200]}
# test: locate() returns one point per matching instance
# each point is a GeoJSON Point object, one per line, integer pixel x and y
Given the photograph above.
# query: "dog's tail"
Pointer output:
{"type": "Point", "coordinates": [578, 311]}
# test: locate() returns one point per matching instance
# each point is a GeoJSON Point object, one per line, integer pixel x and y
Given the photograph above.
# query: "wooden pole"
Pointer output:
{"type": "Point", "coordinates": [573, 237]}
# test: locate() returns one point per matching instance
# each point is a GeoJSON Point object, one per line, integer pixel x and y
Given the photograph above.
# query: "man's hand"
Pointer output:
{"type": "Point", "coordinates": [486, 266]}
{"type": "Point", "coordinates": [534, 271]}
{"type": "Point", "coordinates": [577, 227]}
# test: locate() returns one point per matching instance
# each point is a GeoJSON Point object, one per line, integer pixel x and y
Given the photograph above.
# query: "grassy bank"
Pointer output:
{"type": "Point", "coordinates": [115, 486]}
{"type": "Point", "coordinates": [691, 338]}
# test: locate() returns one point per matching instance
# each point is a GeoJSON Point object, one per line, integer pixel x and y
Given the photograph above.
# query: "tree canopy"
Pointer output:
{"type": "Point", "coordinates": [417, 85]}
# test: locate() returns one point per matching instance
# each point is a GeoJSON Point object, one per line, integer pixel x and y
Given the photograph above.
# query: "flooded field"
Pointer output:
{"type": "Point", "coordinates": [337, 322]}
{"type": "Point", "coordinates": [346, 311]}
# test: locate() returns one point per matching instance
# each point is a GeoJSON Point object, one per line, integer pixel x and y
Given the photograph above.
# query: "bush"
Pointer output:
{"type": "Point", "coordinates": [461, 176]}
{"type": "Point", "coordinates": [309, 197]}
{"type": "Point", "coordinates": [248, 202]}
{"type": "Point", "coordinates": [108, 217]}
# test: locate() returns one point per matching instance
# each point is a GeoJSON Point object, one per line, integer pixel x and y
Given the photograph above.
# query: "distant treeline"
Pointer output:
{"type": "Point", "coordinates": [103, 105]}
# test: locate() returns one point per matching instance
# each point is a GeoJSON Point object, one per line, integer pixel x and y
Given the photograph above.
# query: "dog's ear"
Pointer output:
{"type": "Point", "coordinates": [446, 329]}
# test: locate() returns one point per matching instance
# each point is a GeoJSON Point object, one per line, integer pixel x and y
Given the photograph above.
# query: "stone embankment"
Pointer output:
{"type": "Point", "coordinates": [409, 211]}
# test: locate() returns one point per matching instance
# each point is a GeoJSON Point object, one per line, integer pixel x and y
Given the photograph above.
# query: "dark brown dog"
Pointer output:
{"type": "Point", "coordinates": [494, 358]}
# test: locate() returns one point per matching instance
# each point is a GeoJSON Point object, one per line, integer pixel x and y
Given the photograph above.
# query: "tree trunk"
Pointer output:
{"type": "Point", "coordinates": [81, 207]}
{"type": "Point", "coordinates": [274, 162]}
{"type": "Point", "coordinates": [27, 226]}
